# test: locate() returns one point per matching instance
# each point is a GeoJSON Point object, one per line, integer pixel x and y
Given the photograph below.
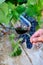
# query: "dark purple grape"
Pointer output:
{"type": "Point", "coordinates": [29, 44]}
{"type": "Point", "coordinates": [27, 38]}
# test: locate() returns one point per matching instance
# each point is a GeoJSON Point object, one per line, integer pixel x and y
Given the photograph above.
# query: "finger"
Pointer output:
{"type": "Point", "coordinates": [38, 39]}
{"type": "Point", "coordinates": [32, 38]}
{"type": "Point", "coordinates": [38, 33]}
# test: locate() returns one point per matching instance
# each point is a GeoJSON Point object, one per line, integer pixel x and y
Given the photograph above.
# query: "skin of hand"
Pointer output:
{"type": "Point", "coordinates": [37, 37]}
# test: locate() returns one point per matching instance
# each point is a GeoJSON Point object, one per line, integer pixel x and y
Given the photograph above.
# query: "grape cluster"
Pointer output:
{"type": "Point", "coordinates": [34, 23]}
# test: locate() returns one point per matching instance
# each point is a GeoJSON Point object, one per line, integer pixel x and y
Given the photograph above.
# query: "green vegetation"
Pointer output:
{"type": "Point", "coordinates": [10, 9]}
{"type": "Point", "coordinates": [16, 50]}
{"type": "Point", "coordinates": [34, 9]}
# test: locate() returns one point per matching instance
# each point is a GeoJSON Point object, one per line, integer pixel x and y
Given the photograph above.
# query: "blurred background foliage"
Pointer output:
{"type": "Point", "coordinates": [11, 9]}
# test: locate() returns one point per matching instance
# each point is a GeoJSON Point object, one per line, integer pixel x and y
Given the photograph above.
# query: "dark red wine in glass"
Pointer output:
{"type": "Point", "coordinates": [21, 30]}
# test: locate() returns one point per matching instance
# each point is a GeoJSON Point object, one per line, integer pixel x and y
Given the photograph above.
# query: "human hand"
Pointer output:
{"type": "Point", "coordinates": [37, 36]}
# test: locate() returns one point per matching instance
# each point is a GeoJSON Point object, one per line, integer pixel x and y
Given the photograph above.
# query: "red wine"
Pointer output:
{"type": "Point", "coordinates": [21, 30]}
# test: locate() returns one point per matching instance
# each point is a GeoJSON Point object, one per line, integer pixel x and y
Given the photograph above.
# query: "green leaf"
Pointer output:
{"type": "Point", "coordinates": [4, 8]}
{"type": "Point", "coordinates": [5, 13]}
{"type": "Point", "coordinates": [20, 9]}
{"type": "Point", "coordinates": [11, 6]}
{"type": "Point", "coordinates": [15, 15]}
{"type": "Point", "coordinates": [3, 18]}
{"type": "Point", "coordinates": [12, 36]}
{"type": "Point", "coordinates": [32, 2]}
{"type": "Point", "coordinates": [17, 52]}
{"type": "Point", "coordinates": [20, 0]}
{"type": "Point", "coordinates": [31, 10]}
{"type": "Point", "coordinates": [12, 43]}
